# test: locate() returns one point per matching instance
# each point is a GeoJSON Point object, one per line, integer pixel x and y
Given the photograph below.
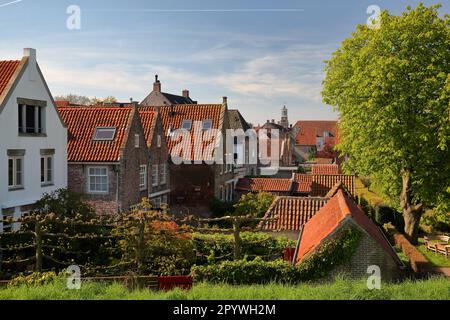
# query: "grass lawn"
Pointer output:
{"type": "Point", "coordinates": [439, 260]}
{"type": "Point", "coordinates": [434, 288]}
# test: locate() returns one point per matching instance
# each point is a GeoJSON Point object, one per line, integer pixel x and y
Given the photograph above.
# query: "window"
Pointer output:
{"type": "Point", "coordinates": [162, 173]}
{"type": "Point", "coordinates": [158, 141]}
{"type": "Point", "coordinates": [155, 175]}
{"type": "Point", "coordinates": [104, 134]}
{"type": "Point", "coordinates": [46, 170]}
{"type": "Point", "coordinates": [15, 172]}
{"type": "Point", "coordinates": [136, 141]}
{"type": "Point", "coordinates": [143, 177]}
{"type": "Point", "coordinates": [98, 179]}
{"type": "Point", "coordinates": [156, 202]}
{"type": "Point", "coordinates": [187, 124]}
{"type": "Point", "coordinates": [31, 118]}
{"type": "Point", "coordinates": [164, 199]}
{"type": "Point", "coordinates": [207, 124]}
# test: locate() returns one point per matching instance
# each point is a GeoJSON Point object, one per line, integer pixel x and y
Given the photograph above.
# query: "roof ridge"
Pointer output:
{"type": "Point", "coordinates": [344, 206]}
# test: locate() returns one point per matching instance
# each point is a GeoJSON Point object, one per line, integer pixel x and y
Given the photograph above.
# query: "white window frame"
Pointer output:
{"type": "Point", "coordinates": [163, 174]}
{"type": "Point", "coordinates": [143, 177]}
{"type": "Point", "coordinates": [155, 176]}
{"type": "Point", "coordinates": [15, 185]}
{"type": "Point", "coordinates": [47, 181]}
{"type": "Point", "coordinates": [136, 141]}
{"type": "Point", "coordinates": [104, 128]}
{"type": "Point", "coordinates": [186, 121]}
{"type": "Point", "coordinates": [89, 180]}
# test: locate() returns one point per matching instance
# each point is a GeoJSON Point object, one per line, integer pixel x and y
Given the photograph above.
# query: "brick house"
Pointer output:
{"type": "Point", "coordinates": [157, 98]}
{"type": "Point", "coordinates": [159, 174]}
{"type": "Point", "coordinates": [195, 180]}
{"type": "Point", "coordinates": [33, 138]}
{"type": "Point", "coordinates": [339, 214]}
{"type": "Point", "coordinates": [108, 159]}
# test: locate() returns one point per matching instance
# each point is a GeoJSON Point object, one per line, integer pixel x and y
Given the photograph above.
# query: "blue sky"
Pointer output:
{"type": "Point", "coordinates": [251, 51]}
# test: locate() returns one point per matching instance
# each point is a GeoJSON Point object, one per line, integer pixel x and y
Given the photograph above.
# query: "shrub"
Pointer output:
{"type": "Point", "coordinates": [33, 279]}
{"type": "Point", "coordinates": [255, 204]}
{"type": "Point", "coordinates": [385, 214]}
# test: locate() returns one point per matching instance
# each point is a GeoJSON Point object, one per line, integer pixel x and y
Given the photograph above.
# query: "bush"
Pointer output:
{"type": "Point", "coordinates": [33, 279]}
{"type": "Point", "coordinates": [219, 247]}
{"type": "Point", "coordinates": [255, 204]}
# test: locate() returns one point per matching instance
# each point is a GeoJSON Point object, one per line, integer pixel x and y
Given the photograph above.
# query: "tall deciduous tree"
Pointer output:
{"type": "Point", "coordinates": [391, 86]}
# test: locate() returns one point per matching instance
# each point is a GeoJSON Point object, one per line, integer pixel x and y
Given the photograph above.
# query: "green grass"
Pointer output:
{"type": "Point", "coordinates": [371, 197]}
{"type": "Point", "coordinates": [437, 259]}
{"type": "Point", "coordinates": [434, 288]}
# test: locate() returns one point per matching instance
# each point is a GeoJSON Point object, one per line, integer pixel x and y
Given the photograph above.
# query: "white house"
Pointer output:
{"type": "Point", "coordinates": [33, 138]}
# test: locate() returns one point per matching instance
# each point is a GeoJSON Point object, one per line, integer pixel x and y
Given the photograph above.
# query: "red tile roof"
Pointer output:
{"type": "Point", "coordinates": [264, 184]}
{"type": "Point", "coordinates": [291, 213]}
{"type": "Point", "coordinates": [302, 187]}
{"type": "Point", "coordinates": [148, 120]}
{"type": "Point", "coordinates": [331, 217]}
{"type": "Point", "coordinates": [82, 123]}
{"type": "Point", "coordinates": [325, 169]}
{"type": "Point", "coordinates": [7, 70]}
{"type": "Point", "coordinates": [310, 130]}
{"type": "Point", "coordinates": [322, 183]}
{"type": "Point", "coordinates": [172, 118]}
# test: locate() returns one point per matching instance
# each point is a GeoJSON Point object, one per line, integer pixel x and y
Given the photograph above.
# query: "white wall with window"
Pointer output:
{"type": "Point", "coordinates": [29, 122]}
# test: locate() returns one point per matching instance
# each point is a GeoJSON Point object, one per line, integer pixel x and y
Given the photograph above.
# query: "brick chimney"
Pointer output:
{"type": "Point", "coordinates": [225, 101]}
{"type": "Point", "coordinates": [157, 84]}
{"type": "Point", "coordinates": [186, 93]}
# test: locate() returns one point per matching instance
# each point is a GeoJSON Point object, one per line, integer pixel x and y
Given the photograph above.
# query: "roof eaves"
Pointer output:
{"type": "Point", "coordinates": [18, 73]}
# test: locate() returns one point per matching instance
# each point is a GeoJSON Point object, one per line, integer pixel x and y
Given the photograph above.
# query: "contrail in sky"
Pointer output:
{"type": "Point", "coordinates": [9, 3]}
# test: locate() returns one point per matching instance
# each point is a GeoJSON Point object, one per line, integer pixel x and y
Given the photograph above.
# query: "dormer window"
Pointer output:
{"type": "Point", "coordinates": [207, 124]}
{"type": "Point", "coordinates": [187, 125]}
{"type": "Point", "coordinates": [104, 134]}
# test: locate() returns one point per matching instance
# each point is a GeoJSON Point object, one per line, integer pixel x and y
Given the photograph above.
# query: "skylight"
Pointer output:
{"type": "Point", "coordinates": [207, 124]}
{"type": "Point", "coordinates": [187, 124]}
{"type": "Point", "coordinates": [104, 134]}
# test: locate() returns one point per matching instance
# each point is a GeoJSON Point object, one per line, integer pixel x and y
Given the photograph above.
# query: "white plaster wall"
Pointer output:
{"type": "Point", "coordinates": [9, 139]}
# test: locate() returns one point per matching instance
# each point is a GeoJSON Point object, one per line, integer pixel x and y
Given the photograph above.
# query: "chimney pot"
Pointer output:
{"type": "Point", "coordinates": [225, 100]}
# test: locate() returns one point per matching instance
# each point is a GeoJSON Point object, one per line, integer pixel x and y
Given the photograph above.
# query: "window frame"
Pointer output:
{"type": "Point", "coordinates": [155, 175]}
{"type": "Point", "coordinates": [209, 121]}
{"type": "Point", "coordinates": [89, 180]}
{"type": "Point", "coordinates": [143, 177]}
{"type": "Point", "coordinates": [97, 129]}
{"type": "Point", "coordinates": [47, 181]}
{"type": "Point", "coordinates": [15, 185]}
{"type": "Point", "coordinates": [187, 121]}
{"type": "Point", "coordinates": [137, 142]}
{"type": "Point", "coordinates": [162, 174]}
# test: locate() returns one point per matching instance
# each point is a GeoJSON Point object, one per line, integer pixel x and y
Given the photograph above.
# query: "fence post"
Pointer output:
{"type": "Point", "coordinates": [38, 239]}
{"type": "Point", "coordinates": [237, 239]}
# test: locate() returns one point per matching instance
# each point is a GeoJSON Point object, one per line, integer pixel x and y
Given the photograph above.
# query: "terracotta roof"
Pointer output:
{"type": "Point", "coordinates": [172, 118]}
{"type": "Point", "coordinates": [325, 169]}
{"type": "Point", "coordinates": [264, 184]}
{"type": "Point", "coordinates": [310, 130]}
{"type": "Point", "coordinates": [148, 120]}
{"type": "Point", "coordinates": [323, 183]}
{"type": "Point", "coordinates": [330, 218]}
{"type": "Point", "coordinates": [82, 123]}
{"type": "Point", "coordinates": [291, 213]}
{"type": "Point", "coordinates": [302, 187]}
{"type": "Point", "coordinates": [339, 186]}
{"type": "Point", "coordinates": [7, 71]}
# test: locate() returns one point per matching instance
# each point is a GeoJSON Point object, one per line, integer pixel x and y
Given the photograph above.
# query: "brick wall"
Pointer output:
{"type": "Point", "coordinates": [368, 253]}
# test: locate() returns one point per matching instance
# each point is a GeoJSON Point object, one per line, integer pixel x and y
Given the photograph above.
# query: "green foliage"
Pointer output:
{"type": "Point", "coordinates": [391, 87]}
{"type": "Point", "coordinates": [65, 204]}
{"type": "Point", "coordinates": [212, 248]}
{"type": "Point", "coordinates": [220, 208]}
{"type": "Point", "coordinates": [385, 214]}
{"type": "Point", "coordinates": [436, 220]}
{"type": "Point", "coordinates": [33, 279]}
{"type": "Point", "coordinates": [331, 254]}
{"type": "Point", "coordinates": [255, 204]}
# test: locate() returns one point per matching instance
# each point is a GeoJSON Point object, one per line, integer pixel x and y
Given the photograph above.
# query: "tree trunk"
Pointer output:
{"type": "Point", "coordinates": [411, 212]}
{"type": "Point", "coordinates": [237, 239]}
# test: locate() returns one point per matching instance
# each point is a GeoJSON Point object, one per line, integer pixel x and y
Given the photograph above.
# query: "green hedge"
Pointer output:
{"type": "Point", "coordinates": [213, 248]}
{"type": "Point", "coordinates": [318, 265]}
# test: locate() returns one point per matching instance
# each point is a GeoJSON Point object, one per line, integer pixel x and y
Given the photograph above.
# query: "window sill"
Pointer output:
{"type": "Point", "coordinates": [49, 184]}
{"type": "Point", "coordinates": [15, 188]}
{"type": "Point", "coordinates": [23, 134]}
{"type": "Point", "coordinates": [143, 189]}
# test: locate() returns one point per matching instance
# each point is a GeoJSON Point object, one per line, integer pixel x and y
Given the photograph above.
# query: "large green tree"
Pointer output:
{"type": "Point", "coordinates": [391, 86]}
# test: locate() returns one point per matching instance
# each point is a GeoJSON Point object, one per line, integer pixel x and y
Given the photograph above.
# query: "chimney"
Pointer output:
{"type": "Point", "coordinates": [273, 120]}
{"type": "Point", "coordinates": [186, 93]}
{"type": "Point", "coordinates": [157, 84]}
{"type": "Point", "coordinates": [31, 54]}
{"type": "Point", "coordinates": [225, 101]}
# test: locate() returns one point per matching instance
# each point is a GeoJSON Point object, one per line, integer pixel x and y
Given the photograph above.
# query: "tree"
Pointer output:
{"type": "Point", "coordinates": [391, 86]}
{"type": "Point", "coordinates": [74, 99]}
{"type": "Point", "coordinates": [254, 204]}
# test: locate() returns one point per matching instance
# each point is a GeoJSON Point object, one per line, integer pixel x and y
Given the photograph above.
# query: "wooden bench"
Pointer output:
{"type": "Point", "coordinates": [438, 244]}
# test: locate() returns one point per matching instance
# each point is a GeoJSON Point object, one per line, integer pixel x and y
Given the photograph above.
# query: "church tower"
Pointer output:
{"type": "Point", "coordinates": [284, 117]}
